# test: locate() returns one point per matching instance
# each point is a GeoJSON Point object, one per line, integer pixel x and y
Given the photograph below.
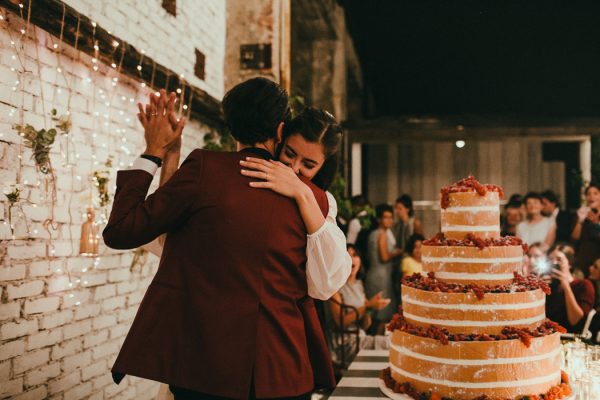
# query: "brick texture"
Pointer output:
{"type": "Point", "coordinates": [63, 317]}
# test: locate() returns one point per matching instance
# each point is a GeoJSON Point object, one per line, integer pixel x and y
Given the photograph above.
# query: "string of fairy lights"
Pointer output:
{"type": "Point", "coordinates": [104, 142]}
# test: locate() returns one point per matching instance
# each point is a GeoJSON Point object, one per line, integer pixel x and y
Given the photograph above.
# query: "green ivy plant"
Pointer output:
{"type": "Point", "coordinates": [223, 142]}
{"type": "Point", "coordinates": [101, 179]}
{"type": "Point", "coordinates": [345, 209]}
{"type": "Point", "coordinates": [40, 141]}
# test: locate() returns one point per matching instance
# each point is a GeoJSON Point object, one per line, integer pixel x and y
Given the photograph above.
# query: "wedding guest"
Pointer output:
{"type": "Point", "coordinates": [594, 276]}
{"type": "Point", "coordinates": [383, 255]}
{"type": "Point", "coordinates": [412, 262]}
{"type": "Point", "coordinates": [586, 233]}
{"type": "Point", "coordinates": [353, 294]}
{"type": "Point", "coordinates": [562, 218]}
{"type": "Point", "coordinates": [354, 226]}
{"type": "Point", "coordinates": [536, 260]}
{"type": "Point", "coordinates": [512, 218]}
{"type": "Point", "coordinates": [406, 224]}
{"type": "Point", "coordinates": [536, 228]}
{"type": "Point", "coordinates": [571, 299]}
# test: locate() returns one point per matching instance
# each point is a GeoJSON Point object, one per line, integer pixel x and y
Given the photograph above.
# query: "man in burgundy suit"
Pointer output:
{"type": "Point", "coordinates": [227, 314]}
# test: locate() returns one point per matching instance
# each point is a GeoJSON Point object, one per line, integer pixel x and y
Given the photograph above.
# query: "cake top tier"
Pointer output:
{"type": "Point", "coordinates": [468, 184]}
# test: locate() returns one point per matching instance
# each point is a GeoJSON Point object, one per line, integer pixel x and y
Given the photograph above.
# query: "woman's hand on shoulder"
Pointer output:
{"type": "Point", "coordinates": [274, 175]}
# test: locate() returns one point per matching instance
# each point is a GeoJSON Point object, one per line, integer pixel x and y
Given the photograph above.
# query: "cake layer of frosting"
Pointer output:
{"type": "Point", "coordinates": [492, 265]}
{"type": "Point", "coordinates": [465, 313]}
{"type": "Point", "coordinates": [470, 212]}
{"type": "Point", "coordinates": [466, 370]}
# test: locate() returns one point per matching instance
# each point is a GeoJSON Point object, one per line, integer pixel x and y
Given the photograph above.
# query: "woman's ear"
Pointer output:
{"type": "Point", "coordinates": [279, 132]}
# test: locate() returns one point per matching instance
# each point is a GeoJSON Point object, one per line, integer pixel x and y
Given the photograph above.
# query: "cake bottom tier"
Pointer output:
{"type": "Point", "coordinates": [502, 369]}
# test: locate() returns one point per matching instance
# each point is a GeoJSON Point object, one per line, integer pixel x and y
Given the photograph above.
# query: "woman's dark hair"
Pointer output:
{"type": "Point", "coordinates": [567, 250]}
{"type": "Point", "coordinates": [361, 272]}
{"type": "Point", "coordinates": [380, 209]}
{"type": "Point", "coordinates": [515, 200]}
{"type": "Point", "coordinates": [412, 240]}
{"type": "Point", "coordinates": [551, 197]}
{"type": "Point", "coordinates": [407, 202]}
{"type": "Point", "coordinates": [254, 109]}
{"type": "Point", "coordinates": [318, 126]}
{"type": "Point", "coordinates": [595, 185]}
{"type": "Point", "coordinates": [532, 195]}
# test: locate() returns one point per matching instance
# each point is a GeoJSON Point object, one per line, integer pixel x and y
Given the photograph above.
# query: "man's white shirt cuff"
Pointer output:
{"type": "Point", "coordinates": [145, 165]}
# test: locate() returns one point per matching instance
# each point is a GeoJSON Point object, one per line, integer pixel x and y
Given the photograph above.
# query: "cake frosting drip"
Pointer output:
{"type": "Point", "coordinates": [472, 327]}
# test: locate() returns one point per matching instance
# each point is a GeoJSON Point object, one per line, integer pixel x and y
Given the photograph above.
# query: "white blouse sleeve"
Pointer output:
{"type": "Point", "coordinates": [328, 263]}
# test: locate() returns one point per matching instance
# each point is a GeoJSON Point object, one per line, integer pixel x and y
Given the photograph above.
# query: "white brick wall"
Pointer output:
{"type": "Point", "coordinates": [147, 26]}
{"type": "Point", "coordinates": [50, 346]}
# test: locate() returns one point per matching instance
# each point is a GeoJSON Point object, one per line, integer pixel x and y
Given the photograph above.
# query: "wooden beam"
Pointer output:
{"type": "Point", "coordinates": [47, 15]}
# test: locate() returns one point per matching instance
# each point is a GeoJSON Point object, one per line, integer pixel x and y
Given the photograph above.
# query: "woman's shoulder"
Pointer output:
{"type": "Point", "coordinates": [332, 205]}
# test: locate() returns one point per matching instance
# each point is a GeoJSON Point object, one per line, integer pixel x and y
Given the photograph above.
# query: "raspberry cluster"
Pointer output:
{"type": "Point", "coordinates": [520, 283]}
{"type": "Point", "coordinates": [470, 240]}
{"type": "Point", "coordinates": [508, 333]}
{"type": "Point", "coordinates": [468, 184]}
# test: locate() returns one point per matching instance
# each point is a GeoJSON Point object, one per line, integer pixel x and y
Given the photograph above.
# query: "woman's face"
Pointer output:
{"type": "Point", "coordinates": [537, 262]}
{"type": "Point", "coordinates": [592, 197]}
{"type": "Point", "coordinates": [558, 257]}
{"type": "Point", "coordinates": [387, 220]}
{"type": "Point", "coordinates": [402, 211]}
{"type": "Point", "coordinates": [355, 261]}
{"type": "Point", "coordinates": [305, 158]}
{"type": "Point", "coordinates": [416, 253]}
{"type": "Point", "coordinates": [513, 216]}
{"type": "Point", "coordinates": [534, 207]}
{"type": "Point", "coordinates": [595, 271]}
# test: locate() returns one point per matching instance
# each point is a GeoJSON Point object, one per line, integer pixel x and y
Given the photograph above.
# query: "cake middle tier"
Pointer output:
{"type": "Point", "coordinates": [465, 313]}
{"type": "Point", "coordinates": [494, 265]}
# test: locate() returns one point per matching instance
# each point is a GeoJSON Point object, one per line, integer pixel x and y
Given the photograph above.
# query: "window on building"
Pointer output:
{"type": "Point", "coordinates": [170, 6]}
{"type": "Point", "coordinates": [200, 64]}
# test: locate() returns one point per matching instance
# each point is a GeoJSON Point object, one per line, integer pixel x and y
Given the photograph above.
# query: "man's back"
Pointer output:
{"type": "Point", "coordinates": [225, 303]}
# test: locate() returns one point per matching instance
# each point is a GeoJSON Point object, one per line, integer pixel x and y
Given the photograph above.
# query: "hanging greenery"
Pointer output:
{"type": "Point", "coordinates": [346, 211]}
{"type": "Point", "coordinates": [40, 141]}
{"type": "Point", "coordinates": [13, 196]}
{"type": "Point", "coordinates": [101, 179]}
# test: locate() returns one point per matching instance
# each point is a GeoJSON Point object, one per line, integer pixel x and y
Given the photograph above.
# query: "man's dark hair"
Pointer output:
{"type": "Point", "coordinates": [254, 109]}
{"type": "Point", "coordinates": [551, 197]}
{"type": "Point", "coordinates": [383, 208]}
{"type": "Point", "coordinates": [407, 202]}
{"type": "Point", "coordinates": [532, 195]}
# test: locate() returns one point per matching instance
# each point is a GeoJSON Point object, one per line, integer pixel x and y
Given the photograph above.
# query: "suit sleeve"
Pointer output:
{"type": "Point", "coordinates": [136, 220]}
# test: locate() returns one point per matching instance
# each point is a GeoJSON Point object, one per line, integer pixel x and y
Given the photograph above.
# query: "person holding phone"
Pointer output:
{"type": "Point", "coordinates": [586, 233]}
{"type": "Point", "coordinates": [571, 299]}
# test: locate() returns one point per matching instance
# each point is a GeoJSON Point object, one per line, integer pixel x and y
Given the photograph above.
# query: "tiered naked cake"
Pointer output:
{"type": "Point", "coordinates": [473, 327]}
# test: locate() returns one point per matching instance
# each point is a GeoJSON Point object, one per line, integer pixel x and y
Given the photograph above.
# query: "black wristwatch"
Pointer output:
{"type": "Point", "coordinates": [154, 159]}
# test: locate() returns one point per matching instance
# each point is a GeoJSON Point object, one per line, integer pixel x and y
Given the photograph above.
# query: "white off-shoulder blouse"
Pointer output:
{"type": "Point", "coordinates": [328, 263]}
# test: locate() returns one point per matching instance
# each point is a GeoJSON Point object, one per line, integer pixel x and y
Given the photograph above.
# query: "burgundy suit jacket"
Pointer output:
{"type": "Point", "coordinates": [229, 301]}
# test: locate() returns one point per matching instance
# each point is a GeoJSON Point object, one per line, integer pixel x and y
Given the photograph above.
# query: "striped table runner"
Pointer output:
{"type": "Point", "coordinates": [361, 381]}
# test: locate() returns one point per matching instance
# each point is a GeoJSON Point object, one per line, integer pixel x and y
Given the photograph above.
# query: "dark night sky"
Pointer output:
{"type": "Point", "coordinates": [523, 58]}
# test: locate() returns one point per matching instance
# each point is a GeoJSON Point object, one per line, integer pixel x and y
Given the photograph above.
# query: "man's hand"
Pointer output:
{"type": "Point", "coordinates": [162, 131]}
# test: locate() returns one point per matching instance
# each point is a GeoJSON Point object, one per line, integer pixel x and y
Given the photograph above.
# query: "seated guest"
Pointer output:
{"type": "Point", "coordinates": [571, 299]}
{"type": "Point", "coordinates": [353, 294]}
{"type": "Point", "coordinates": [562, 218]}
{"type": "Point", "coordinates": [586, 233]}
{"type": "Point", "coordinates": [412, 262]}
{"type": "Point", "coordinates": [536, 228]}
{"type": "Point", "coordinates": [594, 276]}
{"type": "Point", "coordinates": [406, 224]}
{"type": "Point", "coordinates": [512, 217]}
{"type": "Point", "coordinates": [536, 261]}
